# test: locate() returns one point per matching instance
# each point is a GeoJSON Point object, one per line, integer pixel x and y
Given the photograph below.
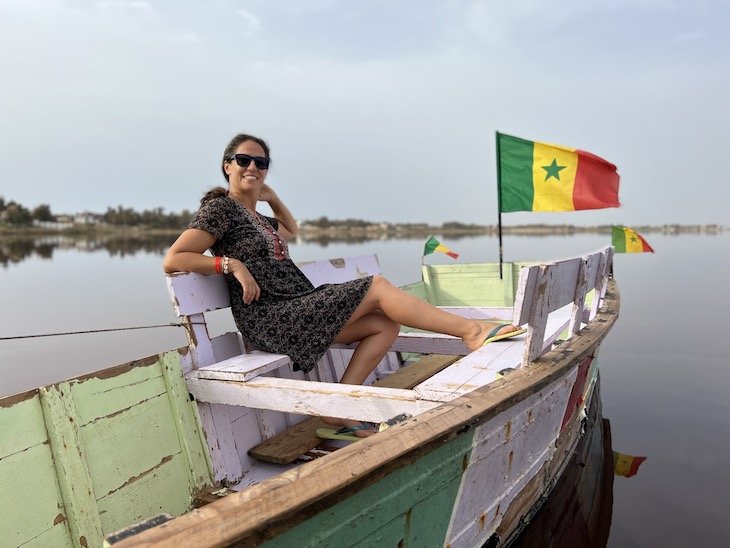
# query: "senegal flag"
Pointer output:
{"type": "Point", "coordinates": [626, 465]}
{"type": "Point", "coordinates": [432, 244]}
{"type": "Point", "coordinates": [541, 177]}
{"type": "Point", "coordinates": [627, 240]}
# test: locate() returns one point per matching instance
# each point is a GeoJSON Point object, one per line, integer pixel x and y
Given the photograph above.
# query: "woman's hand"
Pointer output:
{"type": "Point", "coordinates": [251, 290]}
{"type": "Point", "coordinates": [266, 194]}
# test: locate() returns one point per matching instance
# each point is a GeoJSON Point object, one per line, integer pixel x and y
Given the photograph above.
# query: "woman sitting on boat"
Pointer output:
{"type": "Point", "coordinates": [275, 307]}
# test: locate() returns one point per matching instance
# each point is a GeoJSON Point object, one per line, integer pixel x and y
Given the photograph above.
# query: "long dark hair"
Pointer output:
{"type": "Point", "coordinates": [229, 151]}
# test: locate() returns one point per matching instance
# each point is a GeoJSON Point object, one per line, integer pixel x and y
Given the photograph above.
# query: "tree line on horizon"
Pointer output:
{"type": "Point", "coordinates": [15, 214]}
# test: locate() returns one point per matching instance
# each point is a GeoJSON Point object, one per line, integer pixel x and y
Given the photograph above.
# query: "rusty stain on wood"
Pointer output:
{"type": "Point", "coordinates": [482, 520]}
{"type": "Point", "coordinates": [507, 430]}
{"type": "Point", "coordinates": [60, 518]}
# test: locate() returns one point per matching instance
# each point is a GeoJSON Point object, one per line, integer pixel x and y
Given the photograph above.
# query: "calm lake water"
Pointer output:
{"type": "Point", "coordinates": [665, 368]}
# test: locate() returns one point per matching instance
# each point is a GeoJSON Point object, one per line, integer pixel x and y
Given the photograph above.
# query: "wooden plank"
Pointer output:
{"type": "Point", "coordinates": [193, 293]}
{"type": "Point", "coordinates": [242, 367]}
{"type": "Point", "coordinates": [300, 438]}
{"type": "Point", "coordinates": [96, 397]}
{"type": "Point", "coordinates": [459, 378]}
{"type": "Point", "coordinates": [21, 426]}
{"type": "Point", "coordinates": [340, 270]}
{"type": "Point", "coordinates": [185, 419]}
{"type": "Point", "coordinates": [69, 456]}
{"type": "Point", "coordinates": [482, 367]}
{"type": "Point", "coordinates": [159, 489]}
{"type": "Point", "coordinates": [369, 403]}
{"type": "Point", "coordinates": [31, 501]}
{"type": "Point", "coordinates": [472, 284]}
{"type": "Point", "coordinates": [122, 446]}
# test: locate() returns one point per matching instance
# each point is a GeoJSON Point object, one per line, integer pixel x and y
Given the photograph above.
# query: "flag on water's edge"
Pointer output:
{"type": "Point", "coordinates": [627, 240]}
{"type": "Point", "coordinates": [626, 465]}
{"type": "Point", "coordinates": [542, 177]}
{"type": "Point", "coordinates": [432, 244]}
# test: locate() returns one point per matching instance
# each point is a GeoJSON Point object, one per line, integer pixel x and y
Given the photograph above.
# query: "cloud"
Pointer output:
{"type": "Point", "coordinates": [253, 23]}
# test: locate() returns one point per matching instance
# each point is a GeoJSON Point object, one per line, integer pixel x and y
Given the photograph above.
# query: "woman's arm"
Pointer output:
{"type": "Point", "coordinates": [287, 223]}
{"type": "Point", "coordinates": [186, 255]}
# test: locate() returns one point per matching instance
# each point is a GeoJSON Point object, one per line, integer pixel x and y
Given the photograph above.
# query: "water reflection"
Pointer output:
{"type": "Point", "coordinates": [16, 249]}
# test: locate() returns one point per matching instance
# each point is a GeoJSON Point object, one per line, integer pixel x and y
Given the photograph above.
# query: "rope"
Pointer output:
{"type": "Point", "coordinates": [171, 324]}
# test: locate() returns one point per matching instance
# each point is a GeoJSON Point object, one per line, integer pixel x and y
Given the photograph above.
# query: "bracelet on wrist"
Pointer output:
{"type": "Point", "coordinates": [218, 265]}
{"type": "Point", "coordinates": [225, 264]}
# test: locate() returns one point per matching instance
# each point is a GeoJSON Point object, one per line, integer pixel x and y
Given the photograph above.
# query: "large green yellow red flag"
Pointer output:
{"type": "Point", "coordinates": [432, 244]}
{"type": "Point", "coordinates": [627, 240]}
{"type": "Point", "coordinates": [626, 465]}
{"type": "Point", "coordinates": [543, 177]}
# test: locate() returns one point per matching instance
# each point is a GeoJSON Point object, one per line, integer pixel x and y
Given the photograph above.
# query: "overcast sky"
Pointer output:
{"type": "Point", "coordinates": [381, 110]}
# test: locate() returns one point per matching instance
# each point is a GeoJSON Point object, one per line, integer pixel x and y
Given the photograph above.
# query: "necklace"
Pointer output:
{"type": "Point", "coordinates": [280, 247]}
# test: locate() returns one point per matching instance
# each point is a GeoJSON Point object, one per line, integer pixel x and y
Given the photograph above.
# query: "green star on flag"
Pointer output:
{"type": "Point", "coordinates": [553, 170]}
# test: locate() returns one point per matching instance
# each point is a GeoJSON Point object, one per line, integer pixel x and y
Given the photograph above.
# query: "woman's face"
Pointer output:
{"type": "Point", "coordinates": [243, 179]}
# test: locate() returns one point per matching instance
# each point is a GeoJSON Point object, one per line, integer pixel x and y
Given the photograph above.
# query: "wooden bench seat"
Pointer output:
{"type": "Point", "coordinates": [242, 367]}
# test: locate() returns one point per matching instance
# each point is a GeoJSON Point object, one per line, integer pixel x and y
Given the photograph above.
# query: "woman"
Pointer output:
{"type": "Point", "coordinates": [274, 305]}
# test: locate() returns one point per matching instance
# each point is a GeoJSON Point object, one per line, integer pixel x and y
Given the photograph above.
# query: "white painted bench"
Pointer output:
{"type": "Point", "coordinates": [222, 377]}
{"type": "Point", "coordinates": [231, 424]}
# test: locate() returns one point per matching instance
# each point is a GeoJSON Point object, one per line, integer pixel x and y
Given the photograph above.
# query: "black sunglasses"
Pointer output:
{"type": "Point", "coordinates": [244, 160]}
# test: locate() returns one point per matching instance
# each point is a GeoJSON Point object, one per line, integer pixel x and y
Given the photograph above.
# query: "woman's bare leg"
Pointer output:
{"type": "Point", "coordinates": [376, 322]}
{"type": "Point", "coordinates": [406, 309]}
{"type": "Point", "coordinates": [375, 333]}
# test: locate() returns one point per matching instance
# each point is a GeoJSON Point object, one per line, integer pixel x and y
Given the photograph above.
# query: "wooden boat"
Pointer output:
{"type": "Point", "coordinates": [215, 445]}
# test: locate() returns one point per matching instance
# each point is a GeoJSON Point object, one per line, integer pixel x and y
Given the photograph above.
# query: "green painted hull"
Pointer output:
{"type": "Point", "coordinates": [83, 458]}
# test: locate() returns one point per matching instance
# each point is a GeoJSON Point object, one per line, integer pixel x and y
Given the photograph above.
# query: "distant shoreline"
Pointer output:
{"type": "Point", "coordinates": [366, 231]}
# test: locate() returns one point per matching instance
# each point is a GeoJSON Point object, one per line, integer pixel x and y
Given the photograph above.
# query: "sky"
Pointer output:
{"type": "Point", "coordinates": [378, 110]}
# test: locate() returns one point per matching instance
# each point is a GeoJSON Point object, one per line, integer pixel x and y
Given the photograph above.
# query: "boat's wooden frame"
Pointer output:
{"type": "Point", "coordinates": [522, 424]}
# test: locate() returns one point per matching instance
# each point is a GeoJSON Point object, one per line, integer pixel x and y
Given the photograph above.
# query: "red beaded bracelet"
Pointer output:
{"type": "Point", "coordinates": [218, 268]}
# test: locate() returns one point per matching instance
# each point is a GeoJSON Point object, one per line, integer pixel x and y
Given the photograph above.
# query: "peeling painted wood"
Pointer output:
{"type": "Point", "coordinates": [307, 398]}
{"type": "Point", "coordinates": [185, 419]}
{"type": "Point", "coordinates": [70, 461]}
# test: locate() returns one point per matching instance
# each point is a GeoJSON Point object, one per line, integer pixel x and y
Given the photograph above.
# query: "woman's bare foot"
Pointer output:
{"type": "Point", "coordinates": [480, 330]}
{"type": "Point", "coordinates": [344, 423]}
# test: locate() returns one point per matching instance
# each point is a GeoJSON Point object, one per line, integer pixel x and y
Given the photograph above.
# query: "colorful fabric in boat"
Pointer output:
{"type": "Point", "coordinates": [543, 177]}
{"type": "Point", "coordinates": [627, 240]}
{"type": "Point", "coordinates": [432, 245]}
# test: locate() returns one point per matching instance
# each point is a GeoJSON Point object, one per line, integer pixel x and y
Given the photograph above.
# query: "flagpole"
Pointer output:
{"type": "Point", "coordinates": [499, 202]}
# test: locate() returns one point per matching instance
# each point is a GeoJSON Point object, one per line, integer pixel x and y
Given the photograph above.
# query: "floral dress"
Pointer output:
{"type": "Point", "coordinates": [291, 317]}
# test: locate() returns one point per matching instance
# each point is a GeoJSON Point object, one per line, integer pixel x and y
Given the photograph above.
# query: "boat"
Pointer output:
{"type": "Point", "coordinates": [214, 444]}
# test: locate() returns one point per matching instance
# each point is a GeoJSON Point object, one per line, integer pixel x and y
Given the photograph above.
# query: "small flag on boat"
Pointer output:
{"type": "Point", "coordinates": [627, 240]}
{"type": "Point", "coordinates": [626, 465]}
{"type": "Point", "coordinates": [543, 177]}
{"type": "Point", "coordinates": [432, 245]}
